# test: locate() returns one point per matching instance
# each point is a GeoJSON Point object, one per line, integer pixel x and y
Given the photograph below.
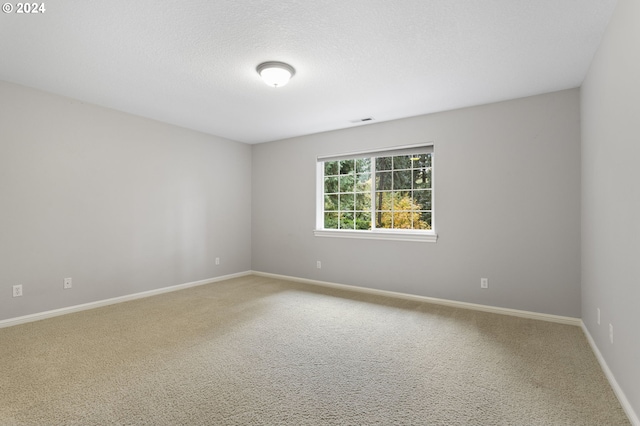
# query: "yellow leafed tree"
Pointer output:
{"type": "Point", "coordinates": [404, 215]}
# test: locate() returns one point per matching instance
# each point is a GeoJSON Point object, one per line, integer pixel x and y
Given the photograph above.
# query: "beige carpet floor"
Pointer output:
{"type": "Point", "coordinates": [259, 351]}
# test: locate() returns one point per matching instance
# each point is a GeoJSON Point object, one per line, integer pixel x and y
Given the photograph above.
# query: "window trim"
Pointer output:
{"type": "Point", "coordinates": [393, 235]}
{"type": "Point", "coordinates": [377, 233]}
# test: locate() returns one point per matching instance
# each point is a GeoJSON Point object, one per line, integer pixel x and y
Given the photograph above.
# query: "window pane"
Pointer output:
{"type": "Point", "coordinates": [331, 220]}
{"type": "Point", "coordinates": [363, 201]}
{"type": "Point", "coordinates": [383, 181]}
{"type": "Point", "coordinates": [402, 201]}
{"type": "Point", "coordinates": [383, 219]}
{"type": "Point", "coordinates": [346, 221]}
{"type": "Point", "coordinates": [347, 183]}
{"type": "Point", "coordinates": [330, 168]}
{"type": "Point", "coordinates": [422, 200]}
{"type": "Point", "coordinates": [402, 179]}
{"type": "Point", "coordinates": [346, 202]}
{"type": "Point", "coordinates": [363, 182]}
{"type": "Point", "coordinates": [383, 200]}
{"type": "Point", "coordinates": [416, 159]}
{"type": "Point", "coordinates": [363, 220]}
{"type": "Point", "coordinates": [424, 160]}
{"type": "Point", "coordinates": [402, 162]}
{"type": "Point", "coordinates": [383, 163]}
{"type": "Point", "coordinates": [422, 178]}
{"type": "Point", "coordinates": [330, 185]}
{"type": "Point", "coordinates": [363, 165]}
{"type": "Point", "coordinates": [330, 202]}
{"type": "Point", "coordinates": [403, 219]}
{"type": "Point", "coordinates": [424, 221]}
{"type": "Point", "coordinates": [347, 166]}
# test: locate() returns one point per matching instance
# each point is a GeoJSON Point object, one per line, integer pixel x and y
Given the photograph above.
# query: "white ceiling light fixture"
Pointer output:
{"type": "Point", "coordinates": [276, 74]}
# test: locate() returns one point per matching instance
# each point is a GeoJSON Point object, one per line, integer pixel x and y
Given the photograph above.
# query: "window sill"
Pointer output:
{"type": "Point", "coordinates": [423, 237]}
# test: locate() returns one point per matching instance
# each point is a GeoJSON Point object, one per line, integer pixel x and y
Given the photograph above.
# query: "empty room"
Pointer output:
{"type": "Point", "coordinates": [288, 212]}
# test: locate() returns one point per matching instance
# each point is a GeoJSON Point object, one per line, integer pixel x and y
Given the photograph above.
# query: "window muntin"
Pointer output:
{"type": "Point", "coordinates": [386, 190]}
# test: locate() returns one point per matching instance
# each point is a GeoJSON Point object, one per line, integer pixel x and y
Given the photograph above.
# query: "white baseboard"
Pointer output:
{"type": "Point", "coordinates": [91, 305]}
{"type": "Point", "coordinates": [626, 406]}
{"type": "Point", "coordinates": [464, 305]}
{"type": "Point", "coordinates": [633, 417]}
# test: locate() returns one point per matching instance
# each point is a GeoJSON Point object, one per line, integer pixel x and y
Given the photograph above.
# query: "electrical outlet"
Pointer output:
{"type": "Point", "coordinates": [318, 264]}
{"type": "Point", "coordinates": [484, 282]}
{"type": "Point", "coordinates": [68, 283]}
{"type": "Point", "coordinates": [598, 316]}
{"type": "Point", "coordinates": [17, 290]}
{"type": "Point", "coordinates": [217, 260]}
{"type": "Point", "coordinates": [611, 332]}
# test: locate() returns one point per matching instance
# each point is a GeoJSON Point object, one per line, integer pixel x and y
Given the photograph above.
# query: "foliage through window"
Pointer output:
{"type": "Point", "coordinates": [382, 190]}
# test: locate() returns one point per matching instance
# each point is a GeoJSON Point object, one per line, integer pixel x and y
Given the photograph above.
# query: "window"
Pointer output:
{"type": "Point", "coordinates": [384, 194]}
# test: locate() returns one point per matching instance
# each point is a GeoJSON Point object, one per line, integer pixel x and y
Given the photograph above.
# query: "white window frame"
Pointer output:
{"type": "Point", "coordinates": [376, 233]}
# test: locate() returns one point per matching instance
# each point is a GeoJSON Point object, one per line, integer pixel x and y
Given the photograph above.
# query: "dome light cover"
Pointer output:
{"type": "Point", "coordinates": [275, 74]}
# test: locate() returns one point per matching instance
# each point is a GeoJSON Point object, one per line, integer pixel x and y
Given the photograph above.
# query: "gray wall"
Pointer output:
{"type": "Point", "coordinates": [507, 205]}
{"type": "Point", "coordinates": [610, 101]}
{"type": "Point", "coordinates": [119, 203]}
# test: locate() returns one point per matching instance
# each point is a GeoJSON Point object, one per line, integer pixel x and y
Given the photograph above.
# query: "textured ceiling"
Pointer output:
{"type": "Point", "coordinates": [192, 63]}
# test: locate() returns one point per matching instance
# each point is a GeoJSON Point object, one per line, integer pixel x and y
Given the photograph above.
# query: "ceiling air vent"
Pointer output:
{"type": "Point", "coordinates": [363, 120]}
